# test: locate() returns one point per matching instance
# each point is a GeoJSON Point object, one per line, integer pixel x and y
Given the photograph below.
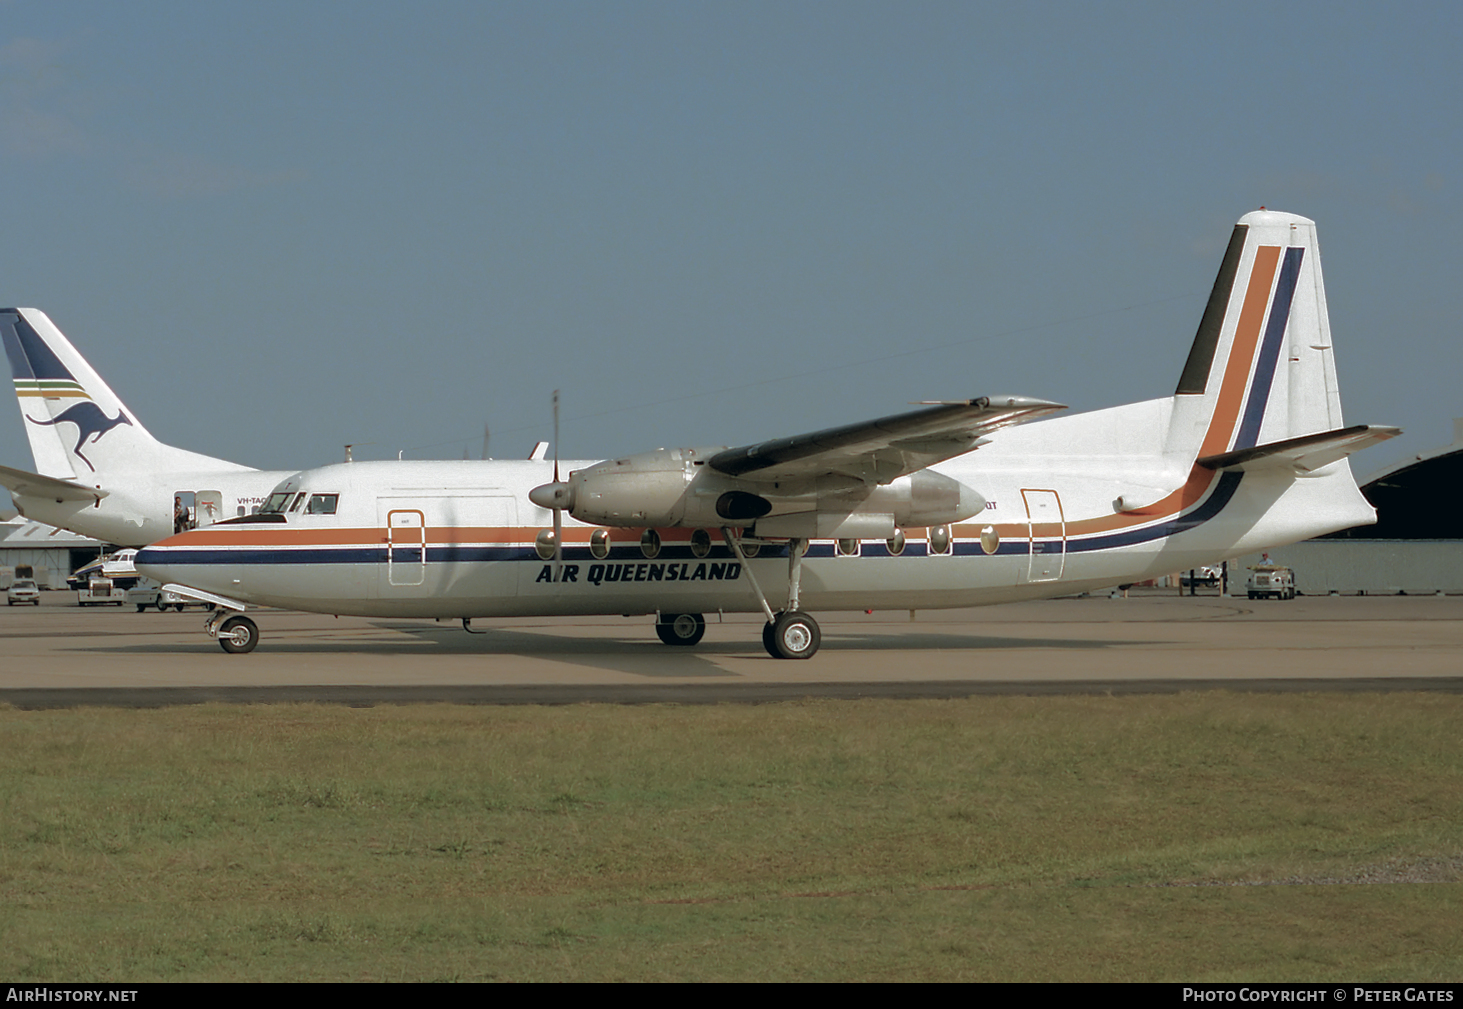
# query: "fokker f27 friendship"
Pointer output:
{"type": "Point", "coordinates": [954, 504]}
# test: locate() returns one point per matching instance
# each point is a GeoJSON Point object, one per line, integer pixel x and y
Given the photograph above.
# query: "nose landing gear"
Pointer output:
{"type": "Point", "coordinates": [236, 633]}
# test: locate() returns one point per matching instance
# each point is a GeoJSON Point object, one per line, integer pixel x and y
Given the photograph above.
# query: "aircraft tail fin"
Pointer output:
{"type": "Point", "coordinates": [77, 426]}
{"type": "Point", "coordinates": [1261, 370]}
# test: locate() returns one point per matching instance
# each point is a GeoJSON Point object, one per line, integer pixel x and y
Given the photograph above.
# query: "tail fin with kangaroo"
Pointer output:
{"type": "Point", "coordinates": [78, 429]}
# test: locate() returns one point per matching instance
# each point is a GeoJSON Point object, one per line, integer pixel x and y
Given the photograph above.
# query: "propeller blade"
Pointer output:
{"type": "Point", "coordinates": [558, 512]}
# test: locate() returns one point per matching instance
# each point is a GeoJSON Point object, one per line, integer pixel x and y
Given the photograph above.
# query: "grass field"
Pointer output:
{"type": "Point", "coordinates": [1209, 836]}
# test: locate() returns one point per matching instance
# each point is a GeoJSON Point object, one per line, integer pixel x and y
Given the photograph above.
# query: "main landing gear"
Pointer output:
{"type": "Point", "coordinates": [790, 634]}
{"type": "Point", "coordinates": [680, 628]}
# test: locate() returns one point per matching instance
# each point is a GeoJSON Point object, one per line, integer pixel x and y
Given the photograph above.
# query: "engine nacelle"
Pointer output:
{"type": "Point", "coordinates": [840, 512]}
{"type": "Point", "coordinates": [675, 487]}
{"type": "Point", "coordinates": [649, 489]}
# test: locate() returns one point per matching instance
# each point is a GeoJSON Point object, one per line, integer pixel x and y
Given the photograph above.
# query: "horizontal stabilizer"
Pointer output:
{"type": "Point", "coordinates": [1304, 454]}
{"type": "Point", "coordinates": [18, 481]}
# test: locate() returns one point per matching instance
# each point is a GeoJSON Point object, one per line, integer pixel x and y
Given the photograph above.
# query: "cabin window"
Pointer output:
{"type": "Point", "coordinates": [700, 543]}
{"type": "Point", "coordinates": [322, 504]}
{"type": "Point", "coordinates": [650, 543]}
{"type": "Point", "coordinates": [939, 540]}
{"type": "Point", "coordinates": [848, 548]}
{"type": "Point", "coordinates": [599, 544]}
{"type": "Point", "coordinates": [896, 543]}
{"type": "Point", "coordinates": [543, 543]}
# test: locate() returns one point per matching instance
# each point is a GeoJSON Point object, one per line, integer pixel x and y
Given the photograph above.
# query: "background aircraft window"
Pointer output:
{"type": "Point", "coordinates": [322, 504]}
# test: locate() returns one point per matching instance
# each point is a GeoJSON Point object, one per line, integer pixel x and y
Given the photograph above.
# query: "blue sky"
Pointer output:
{"type": "Point", "coordinates": [279, 227]}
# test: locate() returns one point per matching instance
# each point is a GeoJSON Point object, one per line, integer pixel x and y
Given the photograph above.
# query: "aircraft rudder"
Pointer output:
{"type": "Point", "coordinates": [1260, 369]}
{"type": "Point", "coordinates": [66, 406]}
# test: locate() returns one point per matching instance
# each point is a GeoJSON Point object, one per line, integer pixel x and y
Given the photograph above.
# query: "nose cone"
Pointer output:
{"type": "Point", "coordinates": [971, 503]}
{"type": "Point", "coordinates": [553, 495]}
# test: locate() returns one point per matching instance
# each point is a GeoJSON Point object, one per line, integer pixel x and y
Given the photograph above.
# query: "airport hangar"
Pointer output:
{"type": "Point", "coordinates": [51, 553]}
{"type": "Point", "coordinates": [1416, 547]}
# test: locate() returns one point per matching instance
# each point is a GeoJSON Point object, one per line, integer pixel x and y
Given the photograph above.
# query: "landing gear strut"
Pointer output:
{"type": "Point", "coordinates": [789, 634]}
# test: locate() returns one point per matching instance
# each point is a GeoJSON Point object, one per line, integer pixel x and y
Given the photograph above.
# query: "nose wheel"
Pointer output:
{"type": "Point", "coordinates": [792, 635]}
{"type": "Point", "coordinates": [238, 635]}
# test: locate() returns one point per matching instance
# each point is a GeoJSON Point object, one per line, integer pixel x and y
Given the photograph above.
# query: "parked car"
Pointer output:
{"type": "Point", "coordinates": [24, 590]}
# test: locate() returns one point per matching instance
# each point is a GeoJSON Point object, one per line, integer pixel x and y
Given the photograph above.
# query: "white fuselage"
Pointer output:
{"type": "Point", "coordinates": [138, 507]}
{"type": "Point", "coordinates": [1054, 515]}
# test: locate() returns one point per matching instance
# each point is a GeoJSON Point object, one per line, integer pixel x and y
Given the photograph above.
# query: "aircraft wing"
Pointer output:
{"type": "Point", "coordinates": [1304, 454]}
{"type": "Point", "coordinates": [18, 481]}
{"type": "Point", "coordinates": [885, 449]}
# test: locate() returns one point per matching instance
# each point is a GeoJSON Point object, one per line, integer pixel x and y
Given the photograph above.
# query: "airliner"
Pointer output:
{"type": "Point", "coordinates": [954, 504]}
{"type": "Point", "coordinates": [99, 472]}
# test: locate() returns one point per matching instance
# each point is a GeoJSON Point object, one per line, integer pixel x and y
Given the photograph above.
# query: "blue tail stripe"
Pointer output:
{"type": "Point", "coordinates": [1249, 429]}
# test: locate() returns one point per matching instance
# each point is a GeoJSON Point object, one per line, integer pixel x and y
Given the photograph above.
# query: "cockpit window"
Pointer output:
{"type": "Point", "coordinates": [276, 502]}
{"type": "Point", "coordinates": [322, 504]}
{"type": "Point", "coordinates": [299, 500]}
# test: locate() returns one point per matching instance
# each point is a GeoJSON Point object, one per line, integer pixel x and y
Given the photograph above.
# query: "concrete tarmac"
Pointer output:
{"type": "Point", "coordinates": [60, 655]}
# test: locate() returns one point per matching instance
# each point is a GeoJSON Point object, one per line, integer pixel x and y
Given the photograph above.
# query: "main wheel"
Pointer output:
{"type": "Point", "coordinates": [680, 628]}
{"type": "Point", "coordinates": [795, 636]}
{"type": "Point", "coordinates": [162, 607]}
{"type": "Point", "coordinates": [238, 635]}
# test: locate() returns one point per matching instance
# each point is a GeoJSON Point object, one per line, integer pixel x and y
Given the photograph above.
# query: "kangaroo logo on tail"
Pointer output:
{"type": "Point", "coordinates": [91, 423]}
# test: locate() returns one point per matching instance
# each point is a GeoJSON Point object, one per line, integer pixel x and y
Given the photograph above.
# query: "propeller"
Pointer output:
{"type": "Point", "coordinates": [558, 510]}
{"type": "Point", "coordinates": [555, 496]}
